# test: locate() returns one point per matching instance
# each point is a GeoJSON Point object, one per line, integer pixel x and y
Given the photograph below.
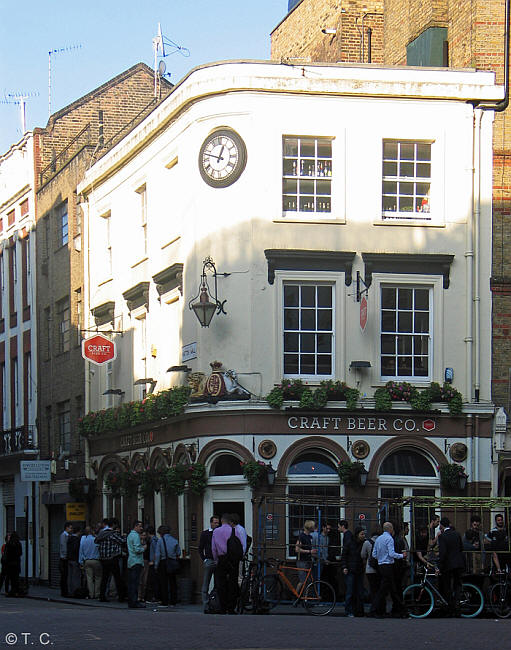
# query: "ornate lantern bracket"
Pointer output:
{"type": "Point", "coordinates": [208, 303]}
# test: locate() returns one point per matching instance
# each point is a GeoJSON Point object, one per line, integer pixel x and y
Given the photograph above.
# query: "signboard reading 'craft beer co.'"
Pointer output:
{"type": "Point", "coordinates": [98, 349]}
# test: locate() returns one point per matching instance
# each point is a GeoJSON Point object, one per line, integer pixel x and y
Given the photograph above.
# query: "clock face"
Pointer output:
{"type": "Point", "coordinates": [222, 158]}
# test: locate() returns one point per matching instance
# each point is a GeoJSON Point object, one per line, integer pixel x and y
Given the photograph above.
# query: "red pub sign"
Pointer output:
{"type": "Point", "coordinates": [98, 349]}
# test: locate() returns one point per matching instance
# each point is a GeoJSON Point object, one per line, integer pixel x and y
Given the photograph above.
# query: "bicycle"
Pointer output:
{"type": "Point", "coordinates": [421, 598]}
{"type": "Point", "coordinates": [499, 595]}
{"type": "Point", "coordinates": [316, 596]}
{"type": "Point", "coordinates": [248, 599]}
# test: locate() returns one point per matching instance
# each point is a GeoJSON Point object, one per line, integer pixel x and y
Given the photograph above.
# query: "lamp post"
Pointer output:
{"type": "Point", "coordinates": [204, 308]}
{"type": "Point", "coordinates": [362, 477]}
{"type": "Point", "coordinates": [462, 481]}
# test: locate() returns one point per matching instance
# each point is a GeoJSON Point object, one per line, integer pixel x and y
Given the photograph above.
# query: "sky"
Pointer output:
{"type": "Point", "coordinates": [98, 39]}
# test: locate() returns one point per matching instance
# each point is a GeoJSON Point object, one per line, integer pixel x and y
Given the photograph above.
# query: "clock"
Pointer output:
{"type": "Point", "coordinates": [222, 158]}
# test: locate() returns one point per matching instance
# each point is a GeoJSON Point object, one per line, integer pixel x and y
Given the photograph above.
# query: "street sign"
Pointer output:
{"type": "Point", "coordinates": [363, 313]}
{"type": "Point", "coordinates": [98, 349]}
{"type": "Point", "coordinates": [35, 470]}
{"type": "Point", "coordinates": [361, 517]}
{"type": "Point", "coordinates": [188, 352]}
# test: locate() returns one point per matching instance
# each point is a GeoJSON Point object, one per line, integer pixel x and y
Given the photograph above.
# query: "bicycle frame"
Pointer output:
{"type": "Point", "coordinates": [287, 582]}
{"type": "Point", "coordinates": [436, 594]}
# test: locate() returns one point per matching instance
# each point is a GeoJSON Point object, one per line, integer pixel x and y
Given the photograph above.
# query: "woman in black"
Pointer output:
{"type": "Point", "coordinates": [354, 568]}
{"type": "Point", "coordinates": [304, 552]}
{"type": "Point", "coordinates": [12, 561]}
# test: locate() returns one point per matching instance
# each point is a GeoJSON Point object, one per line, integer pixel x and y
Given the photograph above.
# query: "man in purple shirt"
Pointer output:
{"type": "Point", "coordinates": [226, 572]}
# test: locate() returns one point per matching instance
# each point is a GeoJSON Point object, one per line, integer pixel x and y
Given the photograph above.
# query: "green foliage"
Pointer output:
{"type": "Point", "coordinates": [420, 400]}
{"type": "Point", "coordinates": [382, 399]}
{"type": "Point", "coordinates": [173, 481]}
{"type": "Point", "coordinates": [198, 479]}
{"type": "Point", "coordinates": [151, 481]}
{"type": "Point", "coordinates": [167, 403]}
{"type": "Point", "coordinates": [125, 482]}
{"type": "Point", "coordinates": [450, 473]}
{"type": "Point", "coordinates": [349, 471]}
{"type": "Point", "coordinates": [329, 390]}
{"type": "Point", "coordinates": [447, 393]}
{"type": "Point", "coordinates": [254, 471]}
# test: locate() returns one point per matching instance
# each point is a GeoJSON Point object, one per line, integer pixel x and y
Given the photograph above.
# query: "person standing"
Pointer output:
{"type": "Point", "coordinates": [206, 555]}
{"type": "Point", "coordinates": [384, 552]}
{"type": "Point", "coordinates": [13, 553]}
{"type": "Point", "coordinates": [167, 548]}
{"type": "Point", "coordinates": [63, 565]}
{"type": "Point", "coordinates": [372, 575]}
{"type": "Point", "coordinates": [226, 572]}
{"type": "Point", "coordinates": [344, 530]}
{"type": "Point", "coordinates": [499, 544]}
{"type": "Point", "coordinates": [88, 558]}
{"type": "Point", "coordinates": [3, 572]}
{"type": "Point", "coordinates": [74, 576]}
{"type": "Point", "coordinates": [135, 564]}
{"type": "Point", "coordinates": [451, 565]}
{"type": "Point", "coordinates": [110, 545]}
{"type": "Point", "coordinates": [353, 569]}
{"type": "Point", "coordinates": [305, 551]}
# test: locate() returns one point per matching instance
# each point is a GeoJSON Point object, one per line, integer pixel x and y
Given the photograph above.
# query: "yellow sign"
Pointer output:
{"type": "Point", "coordinates": [76, 511]}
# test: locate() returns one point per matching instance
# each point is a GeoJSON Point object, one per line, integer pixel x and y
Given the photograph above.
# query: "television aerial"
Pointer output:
{"type": "Point", "coordinates": [20, 99]}
{"type": "Point", "coordinates": [164, 47]}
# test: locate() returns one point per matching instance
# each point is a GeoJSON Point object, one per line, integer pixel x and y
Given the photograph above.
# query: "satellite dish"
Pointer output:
{"type": "Point", "coordinates": [161, 68]}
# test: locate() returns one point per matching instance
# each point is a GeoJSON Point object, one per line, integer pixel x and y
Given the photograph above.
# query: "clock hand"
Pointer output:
{"type": "Point", "coordinates": [220, 154]}
{"type": "Point", "coordinates": [218, 158]}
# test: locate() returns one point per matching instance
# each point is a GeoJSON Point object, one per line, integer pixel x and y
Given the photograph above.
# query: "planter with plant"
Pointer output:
{"type": "Point", "coordinates": [197, 479]}
{"type": "Point", "coordinates": [451, 474]}
{"type": "Point", "coordinates": [349, 472]}
{"type": "Point", "coordinates": [255, 472]}
{"type": "Point", "coordinates": [151, 481]}
{"type": "Point", "coordinates": [173, 481]}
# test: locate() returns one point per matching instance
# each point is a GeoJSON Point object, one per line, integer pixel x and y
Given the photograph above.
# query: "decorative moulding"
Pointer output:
{"type": "Point", "coordinates": [309, 260]}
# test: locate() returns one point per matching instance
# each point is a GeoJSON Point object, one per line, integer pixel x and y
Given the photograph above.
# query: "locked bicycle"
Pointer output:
{"type": "Point", "coordinates": [422, 598]}
{"type": "Point", "coordinates": [316, 596]}
{"type": "Point", "coordinates": [499, 595]}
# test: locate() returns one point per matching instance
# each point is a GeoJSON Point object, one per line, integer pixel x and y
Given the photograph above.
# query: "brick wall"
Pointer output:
{"type": "Point", "coordinates": [299, 35]}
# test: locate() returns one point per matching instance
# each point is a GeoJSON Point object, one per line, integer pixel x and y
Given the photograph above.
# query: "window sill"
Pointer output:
{"type": "Point", "coordinates": [405, 221]}
{"type": "Point", "coordinates": [309, 219]}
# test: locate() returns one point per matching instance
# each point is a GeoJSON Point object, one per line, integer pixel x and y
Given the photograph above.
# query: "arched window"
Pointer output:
{"type": "Point", "coordinates": [407, 463]}
{"type": "Point", "coordinates": [226, 465]}
{"type": "Point", "coordinates": [312, 463]}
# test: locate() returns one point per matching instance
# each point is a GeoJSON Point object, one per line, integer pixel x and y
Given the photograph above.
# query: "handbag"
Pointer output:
{"type": "Point", "coordinates": [171, 564]}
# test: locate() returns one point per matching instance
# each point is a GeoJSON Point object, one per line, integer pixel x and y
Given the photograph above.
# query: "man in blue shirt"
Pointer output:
{"type": "Point", "coordinates": [88, 559]}
{"type": "Point", "coordinates": [135, 565]}
{"type": "Point", "coordinates": [384, 552]}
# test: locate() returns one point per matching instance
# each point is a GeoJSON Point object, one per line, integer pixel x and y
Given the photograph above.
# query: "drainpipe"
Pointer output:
{"type": "Point", "coordinates": [369, 44]}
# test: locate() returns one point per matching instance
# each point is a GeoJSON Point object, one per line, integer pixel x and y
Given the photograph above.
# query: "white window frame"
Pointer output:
{"type": "Point", "coordinates": [338, 300]}
{"type": "Point", "coordinates": [418, 133]}
{"type": "Point", "coordinates": [435, 284]}
{"type": "Point", "coordinates": [63, 210]}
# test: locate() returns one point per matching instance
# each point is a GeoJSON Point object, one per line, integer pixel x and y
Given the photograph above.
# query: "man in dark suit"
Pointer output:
{"type": "Point", "coordinates": [451, 564]}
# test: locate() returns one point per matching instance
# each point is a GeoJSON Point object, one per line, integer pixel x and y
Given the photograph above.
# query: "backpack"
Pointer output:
{"type": "Point", "coordinates": [234, 548]}
{"type": "Point", "coordinates": [373, 562]}
{"type": "Point", "coordinates": [213, 605]}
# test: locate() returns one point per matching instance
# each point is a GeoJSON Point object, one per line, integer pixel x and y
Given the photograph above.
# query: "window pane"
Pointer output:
{"type": "Point", "coordinates": [290, 342]}
{"type": "Point", "coordinates": [308, 319]}
{"type": "Point", "coordinates": [307, 364]}
{"type": "Point", "coordinates": [324, 342]}
{"type": "Point", "coordinates": [405, 204]}
{"type": "Point", "coordinates": [404, 366]}
{"type": "Point", "coordinates": [388, 366]}
{"type": "Point", "coordinates": [324, 148]}
{"type": "Point", "coordinates": [421, 366]}
{"type": "Point", "coordinates": [308, 296]}
{"type": "Point", "coordinates": [324, 365]}
{"type": "Point", "coordinates": [291, 364]}
{"type": "Point", "coordinates": [324, 296]}
{"type": "Point", "coordinates": [390, 150]}
{"type": "Point", "coordinates": [388, 344]}
{"type": "Point", "coordinates": [407, 463]}
{"type": "Point", "coordinates": [390, 169]}
{"type": "Point", "coordinates": [406, 169]}
{"type": "Point", "coordinates": [323, 188]}
{"type": "Point", "coordinates": [423, 170]}
{"type": "Point", "coordinates": [405, 298]}
{"type": "Point", "coordinates": [406, 188]}
{"type": "Point", "coordinates": [389, 204]}
{"type": "Point", "coordinates": [421, 322]}
{"type": "Point", "coordinates": [404, 345]}
{"type": "Point", "coordinates": [290, 147]}
{"type": "Point", "coordinates": [388, 298]}
{"type": "Point", "coordinates": [289, 186]}
{"type": "Point", "coordinates": [291, 295]}
{"type": "Point", "coordinates": [404, 322]}
{"type": "Point", "coordinates": [291, 319]}
{"type": "Point", "coordinates": [325, 319]}
{"type": "Point", "coordinates": [226, 465]}
{"type": "Point", "coordinates": [306, 187]}
{"type": "Point", "coordinates": [420, 345]}
{"type": "Point", "coordinates": [388, 321]}
{"type": "Point", "coordinates": [423, 151]}
{"type": "Point", "coordinates": [307, 342]}
{"type": "Point", "coordinates": [307, 147]}
{"type": "Point", "coordinates": [421, 298]}
{"type": "Point", "coordinates": [289, 167]}
{"type": "Point", "coordinates": [389, 187]}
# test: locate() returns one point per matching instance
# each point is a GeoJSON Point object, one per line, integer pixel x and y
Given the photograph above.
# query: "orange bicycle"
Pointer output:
{"type": "Point", "coordinates": [317, 596]}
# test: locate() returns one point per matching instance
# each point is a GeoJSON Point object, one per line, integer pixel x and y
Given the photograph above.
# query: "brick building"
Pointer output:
{"type": "Point", "coordinates": [74, 138]}
{"type": "Point", "coordinates": [453, 33]}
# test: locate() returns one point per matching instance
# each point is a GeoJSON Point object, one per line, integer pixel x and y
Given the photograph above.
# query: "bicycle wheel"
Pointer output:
{"type": "Point", "coordinates": [244, 599]}
{"type": "Point", "coordinates": [498, 599]}
{"type": "Point", "coordinates": [418, 600]}
{"type": "Point", "coordinates": [471, 601]}
{"type": "Point", "coordinates": [319, 598]}
{"type": "Point", "coordinates": [271, 591]}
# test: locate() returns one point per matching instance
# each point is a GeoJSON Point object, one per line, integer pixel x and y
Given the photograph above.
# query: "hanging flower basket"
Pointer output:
{"type": "Point", "coordinates": [452, 476]}
{"type": "Point", "coordinates": [255, 472]}
{"type": "Point", "coordinates": [151, 481]}
{"type": "Point", "coordinates": [349, 472]}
